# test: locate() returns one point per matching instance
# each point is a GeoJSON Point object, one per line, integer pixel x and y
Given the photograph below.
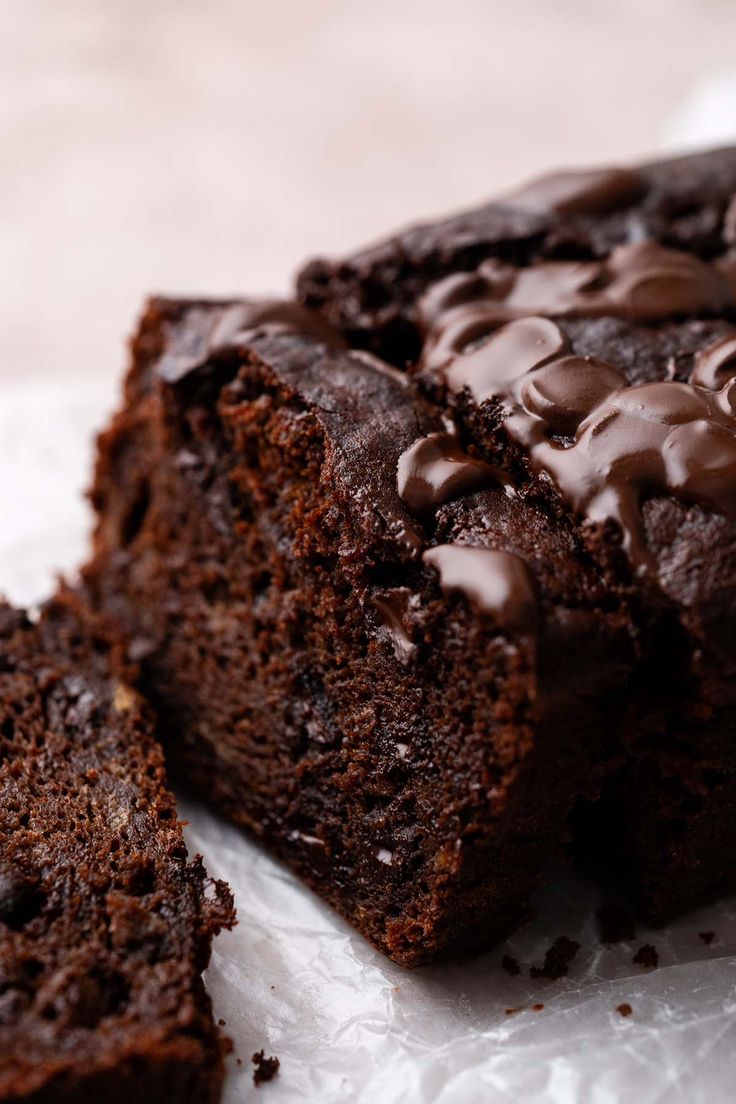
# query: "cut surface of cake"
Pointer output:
{"type": "Point", "coordinates": [105, 925]}
{"type": "Point", "coordinates": [366, 649]}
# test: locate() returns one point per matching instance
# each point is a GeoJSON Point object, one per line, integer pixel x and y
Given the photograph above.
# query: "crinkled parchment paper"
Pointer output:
{"type": "Point", "coordinates": [348, 1025]}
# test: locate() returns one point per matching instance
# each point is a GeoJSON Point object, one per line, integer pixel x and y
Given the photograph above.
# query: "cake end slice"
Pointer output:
{"type": "Point", "coordinates": [105, 924]}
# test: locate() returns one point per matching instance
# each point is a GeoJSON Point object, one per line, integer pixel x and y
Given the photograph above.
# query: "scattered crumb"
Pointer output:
{"type": "Point", "coordinates": [646, 956]}
{"type": "Point", "coordinates": [239, 1061]}
{"type": "Point", "coordinates": [707, 937]}
{"type": "Point", "coordinates": [273, 986]}
{"type": "Point", "coordinates": [512, 1011]}
{"type": "Point", "coordinates": [615, 924]}
{"type": "Point", "coordinates": [537, 1007]}
{"type": "Point", "coordinates": [221, 1023]}
{"type": "Point", "coordinates": [266, 1068]}
{"type": "Point", "coordinates": [510, 965]}
{"type": "Point", "coordinates": [624, 1009]}
{"type": "Point", "coordinates": [557, 959]}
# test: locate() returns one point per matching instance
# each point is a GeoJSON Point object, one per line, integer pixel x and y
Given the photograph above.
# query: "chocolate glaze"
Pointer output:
{"type": "Point", "coordinates": [511, 353]}
{"type": "Point", "coordinates": [642, 282]}
{"type": "Point", "coordinates": [580, 193]}
{"type": "Point", "coordinates": [563, 391]}
{"type": "Point", "coordinates": [436, 469]}
{"type": "Point", "coordinates": [627, 441]}
{"type": "Point", "coordinates": [497, 583]}
{"type": "Point", "coordinates": [235, 324]}
{"type": "Point", "coordinates": [716, 364]}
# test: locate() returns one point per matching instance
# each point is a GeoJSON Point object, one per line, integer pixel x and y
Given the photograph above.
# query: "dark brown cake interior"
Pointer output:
{"type": "Point", "coordinates": [397, 746]}
{"type": "Point", "coordinates": [105, 926]}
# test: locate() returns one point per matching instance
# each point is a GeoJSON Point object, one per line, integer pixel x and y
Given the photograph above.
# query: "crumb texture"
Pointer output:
{"type": "Point", "coordinates": [105, 925]}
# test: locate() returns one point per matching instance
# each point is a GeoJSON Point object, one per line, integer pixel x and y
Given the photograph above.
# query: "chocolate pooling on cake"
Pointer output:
{"type": "Point", "coordinates": [641, 282]}
{"type": "Point", "coordinates": [497, 583]}
{"type": "Point", "coordinates": [605, 444]}
{"type": "Point", "coordinates": [436, 469]}
{"type": "Point", "coordinates": [716, 364]}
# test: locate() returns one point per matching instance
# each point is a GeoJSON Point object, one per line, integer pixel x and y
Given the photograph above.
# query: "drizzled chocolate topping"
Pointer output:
{"type": "Point", "coordinates": [238, 323]}
{"type": "Point", "coordinates": [497, 583]}
{"type": "Point", "coordinates": [641, 282]}
{"type": "Point", "coordinates": [627, 441]}
{"type": "Point", "coordinates": [580, 193]}
{"type": "Point", "coordinates": [436, 469]}
{"type": "Point", "coordinates": [716, 364]}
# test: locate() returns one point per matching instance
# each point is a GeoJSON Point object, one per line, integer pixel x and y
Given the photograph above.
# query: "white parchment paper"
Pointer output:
{"type": "Point", "coordinates": [293, 979]}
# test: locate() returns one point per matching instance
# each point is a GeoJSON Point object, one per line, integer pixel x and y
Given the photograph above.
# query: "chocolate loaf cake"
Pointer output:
{"type": "Point", "coordinates": [105, 926]}
{"type": "Point", "coordinates": [402, 686]}
{"type": "Point", "coordinates": [582, 333]}
{"type": "Point", "coordinates": [422, 578]}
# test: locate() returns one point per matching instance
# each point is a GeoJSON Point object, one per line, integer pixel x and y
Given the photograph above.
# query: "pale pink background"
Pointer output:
{"type": "Point", "coordinates": [208, 145]}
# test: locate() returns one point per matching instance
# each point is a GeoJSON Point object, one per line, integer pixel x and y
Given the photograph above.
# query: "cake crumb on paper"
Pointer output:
{"type": "Point", "coordinates": [647, 956]}
{"type": "Point", "coordinates": [266, 1068]}
{"type": "Point", "coordinates": [557, 959]}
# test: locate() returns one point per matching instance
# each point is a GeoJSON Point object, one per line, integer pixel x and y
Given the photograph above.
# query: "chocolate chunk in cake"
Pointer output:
{"type": "Point", "coordinates": [105, 925]}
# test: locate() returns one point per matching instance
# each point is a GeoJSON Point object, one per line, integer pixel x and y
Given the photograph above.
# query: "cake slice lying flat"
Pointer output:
{"type": "Point", "coordinates": [582, 332]}
{"type": "Point", "coordinates": [105, 927]}
{"type": "Point", "coordinates": [366, 649]}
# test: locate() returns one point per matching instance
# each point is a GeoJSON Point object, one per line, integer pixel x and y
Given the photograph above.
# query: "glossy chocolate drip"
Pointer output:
{"type": "Point", "coordinates": [562, 392]}
{"type": "Point", "coordinates": [670, 438]}
{"type": "Point", "coordinates": [392, 607]}
{"type": "Point", "coordinates": [496, 583]}
{"type": "Point", "coordinates": [437, 469]}
{"type": "Point", "coordinates": [580, 193]}
{"type": "Point", "coordinates": [627, 441]}
{"type": "Point", "coordinates": [642, 282]}
{"type": "Point", "coordinates": [512, 352]}
{"type": "Point", "coordinates": [239, 323]}
{"type": "Point", "coordinates": [715, 365]}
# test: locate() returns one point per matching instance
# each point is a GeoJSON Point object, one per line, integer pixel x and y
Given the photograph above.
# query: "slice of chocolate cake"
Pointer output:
{"type": "Point", "coordinates": [367, 649]}
{"type": "Point", "coordinates": [582, 332]}
{"type": "Point", "coordinates": [105, 927]}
